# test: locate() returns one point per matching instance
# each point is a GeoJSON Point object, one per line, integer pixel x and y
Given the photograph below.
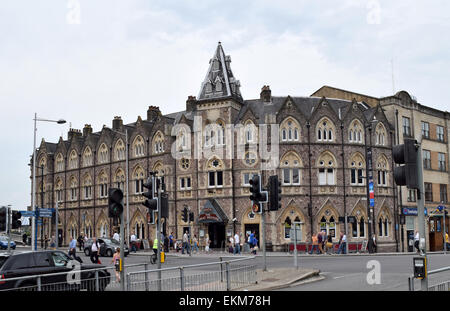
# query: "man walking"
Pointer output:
{"type": "Point", "coordinates": [237, 245]}
{"type": "Point", "coordinates": [95, 249]}
{"type": "Point", "coordinates": [73, 248]}
{"type": "Point", "coordinates": [416, 241]}
{"type": "Point", "coordinates": [343, 244]}
{"type": "Point", "coordinates": [133, 243]}
{"type": "Point", "coordinates": [185, 243]}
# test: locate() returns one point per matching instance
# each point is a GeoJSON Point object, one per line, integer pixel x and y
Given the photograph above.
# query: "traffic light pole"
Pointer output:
{"type": "Point", "coordinates": [263, 224]}
{"type": "Point", "coordinates": [421, 214]}
{"type": "Point", "coordinates": [158, 234]}
{"type": "Point", "coordinates": [122, 252]}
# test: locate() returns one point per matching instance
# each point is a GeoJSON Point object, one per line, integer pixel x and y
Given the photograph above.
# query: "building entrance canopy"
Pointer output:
{"type": "Point", "coordinates": [212, 213]}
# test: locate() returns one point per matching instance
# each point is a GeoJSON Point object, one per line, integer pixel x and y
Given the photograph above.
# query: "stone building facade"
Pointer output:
{"type": "Point", "coordinates": [411, 119]}
{"type": "Point", "coordinates": [318, 151]}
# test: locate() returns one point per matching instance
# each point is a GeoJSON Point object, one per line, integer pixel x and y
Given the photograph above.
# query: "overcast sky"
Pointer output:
{"type": "Point", "coordinates": [89, 60]}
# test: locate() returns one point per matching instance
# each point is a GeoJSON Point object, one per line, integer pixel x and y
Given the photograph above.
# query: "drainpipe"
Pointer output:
{"type": "Point", "coordinates": [308, 126]}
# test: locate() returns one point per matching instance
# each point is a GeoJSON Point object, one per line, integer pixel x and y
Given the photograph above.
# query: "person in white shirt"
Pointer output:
{"type": "Point", "coordinates": [116, 236]}
{"type": "Point", "coordinates": [95, 249]}
{"type": "Point", "coordinates": [133, 243]}
{"type": "Point", "coordinates": [237, 245]}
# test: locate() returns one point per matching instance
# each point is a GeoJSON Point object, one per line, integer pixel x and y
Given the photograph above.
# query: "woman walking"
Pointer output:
{"type": "Point", "coordinates": [116, 262]}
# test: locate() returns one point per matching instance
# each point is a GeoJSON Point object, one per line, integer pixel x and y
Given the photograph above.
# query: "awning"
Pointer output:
{"type": "Point", "coordinates": [212, 213]}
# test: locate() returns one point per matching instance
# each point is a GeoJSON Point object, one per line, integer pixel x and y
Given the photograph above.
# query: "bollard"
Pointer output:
{"type": "Point", "coordinates": [39, 283]}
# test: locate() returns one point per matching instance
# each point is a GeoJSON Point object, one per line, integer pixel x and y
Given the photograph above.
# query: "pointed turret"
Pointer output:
{"type": "Point", "coordinates": [219, 81]}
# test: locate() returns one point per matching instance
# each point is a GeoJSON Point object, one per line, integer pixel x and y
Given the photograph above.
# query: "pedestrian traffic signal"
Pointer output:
{"type": "Point", "coordinates": [274, 193]}
{"type": "Point", "coordinates": [3, 218]}
{"type": "Point", "coordinates": [115, 202]}
{"type": "Point", "coordinates": [152, 202]}
{"type": "Point", "coordinates": [256, 208]}
{"type": "Point", "coordinates": [191, 216]}
{"type": "Point", "coordinates": [407, 154]}
{"type": "Point", "coordinates": [184, 215]}
{"type": "Point", "coordinates": [16, 223]}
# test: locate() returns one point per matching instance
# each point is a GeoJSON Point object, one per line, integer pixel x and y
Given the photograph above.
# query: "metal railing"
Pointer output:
{"type": "Point", "coordinates": [214, 276]}
{"type": "Point", "coordinates": [439, 286]}
{"type": "Point", "coordinates": [96, 279]}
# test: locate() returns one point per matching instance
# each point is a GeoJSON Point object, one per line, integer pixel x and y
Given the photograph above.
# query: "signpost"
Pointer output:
{"type": "Point", "coordinates": [294, 231]}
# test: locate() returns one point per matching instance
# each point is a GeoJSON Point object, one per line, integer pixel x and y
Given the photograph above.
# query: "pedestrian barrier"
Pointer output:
{"type": "Point", "coordinates": [215, 276]}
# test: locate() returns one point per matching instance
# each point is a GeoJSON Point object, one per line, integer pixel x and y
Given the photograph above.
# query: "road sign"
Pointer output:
{"type": "Point", "coordinates": [27, 213]}
{"type": "Point", "coordinates": [45, 212]}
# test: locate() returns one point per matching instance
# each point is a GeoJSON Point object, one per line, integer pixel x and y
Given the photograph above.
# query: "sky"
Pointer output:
{"type": "Point", "coordinates": [87, 61]}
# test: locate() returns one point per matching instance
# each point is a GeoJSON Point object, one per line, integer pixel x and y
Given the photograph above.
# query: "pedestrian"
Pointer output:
{"type": "Point", "coordinates": [207, 243]}
{"type": "Point", "coordinates": [25, 238]}
{"type": "Point", "coordinates": [53, 242]}
{"type": "Point", "coordinates": [416, 241]}
{"type": "Point", "coordinates": [342, 244]}
{"type": "Point", "coordinates": [186, 245]}
{"type": "Point", "coordinates": [73, 248]}
{"type": "Point", "coordinates": [315, 244]}
{"type": "Point", "coordinates": [230, 244]}
{"type": "Point", "coordinates": [95, 249]}
{"type": "Point", "coordinates": [116, 236]}
{"type": "Point", "coordinates": [171, 240]}
{"type": "Point", "coordinates": [116, 261]}
{"type": "Point", "coordinates": [374, 239]}
{"type": "Point", "coordinates": [329, 243]}
{"type": "Point", "coordinates": [255, 245]}
{"type": "Point", "coordinates": [324, 240]}
{"type": "Point", "coordinates": [133, 242]}
{"type": "Point", "coordinates": [195, 244]}
{"type": "Point", "coordinates": [237, 243]}
{"type": "Point", "coordinates": [319, 242]}
{"type": "Point", "coordinates": [46, 240]}
{"type": "Point", "coordinates": [80, 242]}
{"type": "Point", "coordinates": [166, 244]}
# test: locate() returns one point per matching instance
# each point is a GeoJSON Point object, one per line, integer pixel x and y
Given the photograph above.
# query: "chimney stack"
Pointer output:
{"type": "Point", "coordinates": [117, 123]}
{"type": "Point", "coordinates": [190, 103]}
{"type": "Point", "coordinates": [266, 94]}
{"type": "Point", "coordinates": [153, 113]}
{"type": "Point", "coordinates": [73, 133]}
{"type": "Point", "coordinates": [87, 130]}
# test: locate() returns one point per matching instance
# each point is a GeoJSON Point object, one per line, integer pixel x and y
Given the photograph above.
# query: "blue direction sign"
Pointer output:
{"type": "Point", "coordinates": [45, 212]}
{"type": "Point", "coordinates": [27, 213]}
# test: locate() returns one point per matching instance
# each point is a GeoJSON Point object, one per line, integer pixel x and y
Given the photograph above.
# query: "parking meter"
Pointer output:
{"type": "Point", "coordinates": [420, 267]}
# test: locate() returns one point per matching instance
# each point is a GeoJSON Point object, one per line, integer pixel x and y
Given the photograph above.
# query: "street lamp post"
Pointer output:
{"type": "Point", "coordinates": [33, 197]}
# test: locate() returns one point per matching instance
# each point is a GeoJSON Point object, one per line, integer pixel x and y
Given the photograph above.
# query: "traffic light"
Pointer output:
{"type": "Point", "coordinates": [152, 202]}
{"type": "Point", "coordinates": [191, 216]}
{"type": "Point", "coordinates": [406, 175]}
{"type": "Point", "coordinates": [164, 205]}
{"type": "Point", "coordinates": [274, 193]}
{"type": "Point", "coordinates": [3, 218]}
{"type": "Point", "coordinates": [184, 215]}
{"type": "Point", "coordinates": [16, 223]}
{"type": "Point", "coordinates": [257, 195]}
{"type": "Point", "coordinates": [115, 202]}
{"type": "Point", "coordinates": [255, 188]}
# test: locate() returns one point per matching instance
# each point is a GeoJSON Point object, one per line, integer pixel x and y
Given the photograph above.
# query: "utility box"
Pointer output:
{"type": "Point", "coordinates": [420, 267]}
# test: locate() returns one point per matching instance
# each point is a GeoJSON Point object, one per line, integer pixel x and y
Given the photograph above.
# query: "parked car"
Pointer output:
{"type": "Point", "coordinates": [4, 243]}
{"type": "Point", "coordinates": [55, 265]}
{"type": "Point", "coordinates": [107, 247]}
